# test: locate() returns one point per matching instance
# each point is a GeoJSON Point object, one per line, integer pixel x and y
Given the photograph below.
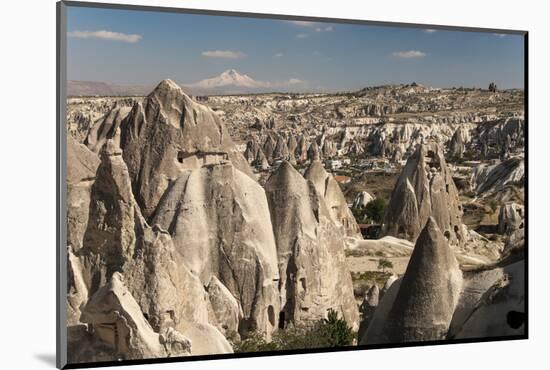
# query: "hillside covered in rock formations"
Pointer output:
{"type": "Point", "coordinates": [213, 224]}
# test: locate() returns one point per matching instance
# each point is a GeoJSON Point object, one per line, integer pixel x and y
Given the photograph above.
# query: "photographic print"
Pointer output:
{"type": "Point", "coordinates": [239, 184]}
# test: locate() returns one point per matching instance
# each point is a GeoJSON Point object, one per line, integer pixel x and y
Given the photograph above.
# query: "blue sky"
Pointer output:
{"type": "Point", "coordinates": [144, 47]}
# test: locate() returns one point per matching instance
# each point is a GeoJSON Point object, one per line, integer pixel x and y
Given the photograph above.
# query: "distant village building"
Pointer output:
{"type": "Point", "coordinates": [333, 164]}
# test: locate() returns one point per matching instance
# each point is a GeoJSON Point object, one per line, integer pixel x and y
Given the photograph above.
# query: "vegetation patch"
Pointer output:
{"type": "Point", "coordinates": [330, 332]}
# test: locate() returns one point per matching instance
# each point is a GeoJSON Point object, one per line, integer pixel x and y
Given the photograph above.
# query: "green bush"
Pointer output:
{"type": "Point", "coordinates": [329, 332]}
{"type": "Point", "coordinates": [335, 331]}
{"type": "Point", "coordinates": [384, 264]}
{"type": "Point", "coordinates": [375, 210]}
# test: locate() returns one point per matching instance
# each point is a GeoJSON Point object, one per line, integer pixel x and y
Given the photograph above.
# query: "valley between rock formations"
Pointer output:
{"type": "Point", "coordinates": [212, 224]}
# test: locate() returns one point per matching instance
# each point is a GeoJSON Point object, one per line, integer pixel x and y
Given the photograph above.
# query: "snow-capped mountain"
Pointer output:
{"type": "Point", "coordinates": [229, 78]}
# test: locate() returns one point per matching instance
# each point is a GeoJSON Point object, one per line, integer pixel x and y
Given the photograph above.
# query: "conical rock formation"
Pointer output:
{"type": "Point", "coordinates": [425, 189]}
{"type": "Point", "coordinates": [314, 275]}
{"type": "Point", "coordinates": [328, 188]}
{"type": "Point", "coordinates": [118, 240]}
{"type": "Point", "coordinates": [219, 220]}
{"type": "Point", "coordinates": [427, 296]}
{"type": "Point", "coordinates": [167, 134]}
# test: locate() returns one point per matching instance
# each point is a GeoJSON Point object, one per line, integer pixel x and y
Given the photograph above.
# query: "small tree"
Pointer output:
{"type": "Point", "coordinates": [492, 87]}
{"type": "Point", "coordinates": [335, 331]}
{"type": "Point", "coordinates": [384, 264]}
{"type": "Point", "coordinates": [375, 210]}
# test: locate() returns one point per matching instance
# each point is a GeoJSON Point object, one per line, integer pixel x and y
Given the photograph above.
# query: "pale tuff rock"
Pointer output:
{"type": "Point", "coordinates": [425, 189]}
{"type": "Point", "coordinates": [113, 211]}
{"type": "Point", "coordinates": [500, 310]}
{"type": "Point", "coordinates": [300, 153]}
{"type": "Point", "coordinates": [328, 149]}
{"type": "Point", "coordinates": [457, 145]}
{"type": "Point", "coordinates": [375, 329]}
{"type": "Point", "coordinates": [106, 128]}
{"type": "Point", "coordinates": [167, 134]}
{"type": "Point", "coordinates": [206, 340]}
{"type": "Point", "coordinates": [219, 220]}
{"type": "Point", "coordinates": [116, 320]}
{"type": "Point", "coordinates": [313, 153]}
{"type": "Point", "coordinates": [510, 218]}
{"type": "Point", "coordinates": [428, 294]}
{"type": "Point", "coordinates": [81, 171]}
{"type": "Point", "coordinates": [226, 309]}
{"type": "Point", "coordinates": [281, 149]}
{"type": "Point", "coordinates": [387, 246]}
{"type": "Point", "coordinates": [119, 240]}
{"type": "Point", "coordinates": [328, 188]}
{"type": "Point", "coordinates": [269, 148]}
{"type": "Point", "coordinates": [292, 145]}
{"type": "Point", "coordinates": [514, 244]}
{"type": "Point", "coordinates": [362, 199]}
{"type": "Point", "coordinates": [387, 285]}
{"type": "Point", "coordinates": [314, 276]}
{"type": "Point", "coordinates": [175, 344]}
{"type": "Point", "coordinates": [157, 276]}
{"type": "Point", "coordinates": [260, 162]}
{"type": "Point", "coordinates": [252, 150]}
{"type": "Point", "coordinates": [491, 179]}
{"type": "Point", "coordinates": [367, 308]}
{"type": "Point", "coordinates": [77, 291]}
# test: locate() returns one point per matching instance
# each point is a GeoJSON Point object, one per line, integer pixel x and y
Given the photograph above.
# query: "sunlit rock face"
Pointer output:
{"type": "Point", "coordinates": [167, 134]}
{"type": "Point", "coordinates": [425, 189]}
{"type": "Point", "coordinates": [314, 276]}
{"type": "Point", "coordinates": [219, 220]}
{"type": "Point", "coordinates": [422, 307]}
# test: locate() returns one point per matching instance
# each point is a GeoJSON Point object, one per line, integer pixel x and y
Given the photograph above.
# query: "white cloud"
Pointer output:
{"type": "Point", "coordinates": [304, 23]}
{"type": "Point", "coordinates": [326, 29]}
{"type": "Point", "coordinates": [105, 35]}
{"type": "Point", "coordinates": [228, 54]}
{"type": "Point", "coordinates": [301, 35]}
{"type": "Point", "coordinates": [409, 54]}
{"type": "Point", "coordinates": [294, 81]}
{"type": "Point", "coordinates": [499, 34]}
{"type": "Point", "coordinates": [278, 55]}
{"type": "Point", "coordinates": [430, 30]}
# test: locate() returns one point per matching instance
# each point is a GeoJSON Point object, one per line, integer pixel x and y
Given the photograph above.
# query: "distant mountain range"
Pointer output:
{"type": "Point", "coordinates": [228, 82]}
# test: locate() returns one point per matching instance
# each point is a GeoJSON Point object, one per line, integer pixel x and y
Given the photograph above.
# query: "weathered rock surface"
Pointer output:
{"type": "Point", "coordinates": [367, 308]}
{"type": "Point", "coordinates": [425, 189]}
{"type": "Point", "coordinates": [492, 304]}
{"type": "Point", "coordinates": [362, 199]}
{"type": "Point", "coordinates": [219, 220]}
{"type": "Point", "coordinates": [328, 188]}
{"type": "Point", "coordinates": [226, 309]}
{"type": "Point", "coordinates": [457, 145]}
{"type": "Point", "coordinates": [510, 218]}
{"type": "Point", "coordinates": [117, 321]}
{"type": "Point", "coordinates": [167, 134]}
{"type": "Point", "coordinates": [118, 240]}
{"type": "Point", "coordinates": [490, 179]}
{"type": "Point", "coordinates": [427, 296]}
{"type": "Point", "coordinates": [106, 128]}
{"type": "Point", "coordinates": [312, 266]}
{"type": "Point", "coordinates": [81, 171]}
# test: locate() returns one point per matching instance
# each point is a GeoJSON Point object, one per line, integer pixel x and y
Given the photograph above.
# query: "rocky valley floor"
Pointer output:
{"type": "Point", "coordinates": [212, 224]}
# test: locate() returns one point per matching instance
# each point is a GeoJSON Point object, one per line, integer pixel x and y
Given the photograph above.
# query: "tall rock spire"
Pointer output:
{"type": "Point", "coordinates": [425, 189]}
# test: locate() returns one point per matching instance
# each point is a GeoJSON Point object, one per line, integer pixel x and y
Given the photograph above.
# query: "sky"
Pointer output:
{"type": "Point", "coordinates": [138, 47]}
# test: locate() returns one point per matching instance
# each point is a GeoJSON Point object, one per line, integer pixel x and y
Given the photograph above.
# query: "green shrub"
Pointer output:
{"type": "Point", "coordinates": [375, 210]}
{"type": "Point", "coordinates": [335, 331]}
{"type": "Point", "coordinates": [384, 264]}
{"type": "Point", "coordinates": [329, 332]}
{"type": "Point", "coordinates": [372, 213]}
